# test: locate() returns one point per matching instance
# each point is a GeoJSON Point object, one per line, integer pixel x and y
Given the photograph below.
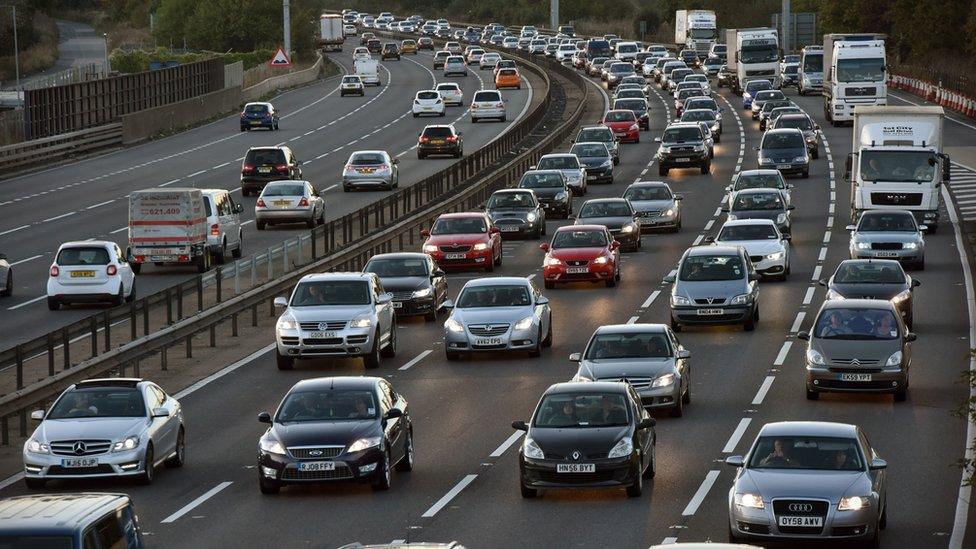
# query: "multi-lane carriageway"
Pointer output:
{"type": "Point", "coordinates": [464, 486]}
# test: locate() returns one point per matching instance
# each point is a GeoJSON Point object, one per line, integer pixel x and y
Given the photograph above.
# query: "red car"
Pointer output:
{"type": "Point", "coordinates": [464, 240]}
{"type": "Point", "coordinates": [624, 125]}
{"type": "Point", "coordinates": [581, 253]}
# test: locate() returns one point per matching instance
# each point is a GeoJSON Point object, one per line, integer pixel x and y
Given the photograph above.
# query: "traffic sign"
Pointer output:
{"type": "Point", "coordinates": [280, 59]}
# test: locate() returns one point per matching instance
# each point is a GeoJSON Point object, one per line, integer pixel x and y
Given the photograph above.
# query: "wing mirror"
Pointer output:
{"type": "Point", "coordinates": [753, 277]}
{"type": "Point", "coordinates": [393, 413]}
{"type": "Point", "coordinates": [916, 283]}
{"type": "Point", "coordinates": [679, 197]}
{"type": "Point", "coordinates": [520, 425]}
{"type": "Point", "coordinates": [543, 300]}
{"type": "Point", "coordinates": [910, 337]}
{"type": "Point", "coordinates": [160, 412]}
{"type": "Point", "coordinates": [544, 247]}
{"type": "Point", "coordinates": [851, 227]}
{"type": "Point", "coordinates": [684, 353]}
{"type": "Point", "coordinates": [615, 245]}
{"type": "Point", "coordinates": [425, 233]}
{"type": "Point", "coordinates": [787, 237]}
{"type": "Point", "coordinates": [280, 302]}
{"type": "Point", "coordinates": [804, 336]}
{"type": "Point", "coordinates": [383, 299]}
{"type": "Point", "coordinates": [37, 415]}
{"type": "Point", "coordinates": [647, 423]}
{"type": "Point", "coordinates": [791, 207]}
{"type": "Point", "coordinates": [448, 304]}
{"type": "Point", "coordinates": [878, 464]}
{"type": "Point", "coordinates": [439, 272]}
{"type": "Point", "coordinates": [495, 230]}
{"type": "Point", "coordinates": [396, 160]}
{"type": "Point", "coordinates": [709, 240]}
{"type": "Point", "coordinates": [238, 208]}
{"type": "Point", "coordinates": [735, 461]}
{"type": "Point", "coordinates": [576, 357]}
{"type": "Point", "coordinates": [670, 279]}
{"type": "Point", "coordinates": [264, 417]}
{"type": "Point", "coordinates": [657, 139]}
{"type": "Point", "coordinates": [822, 282]}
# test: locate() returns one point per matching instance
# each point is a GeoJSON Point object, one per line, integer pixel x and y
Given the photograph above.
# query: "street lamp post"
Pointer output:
{"type": "Point", "coordinates": [16, 51]}
{"type": "Point", "coordinates": [108, 67]}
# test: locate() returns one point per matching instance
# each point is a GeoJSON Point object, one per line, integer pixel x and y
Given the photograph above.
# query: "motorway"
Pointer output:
{"type": "Point", "coordinates": [88, 199]}
{"type": "Point", "coordinates": [465, 483]}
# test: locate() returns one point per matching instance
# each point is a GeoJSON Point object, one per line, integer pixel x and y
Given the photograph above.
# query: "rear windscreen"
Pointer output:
{"type": "Point", "coordinates": [265, 156]}
{"type": "Point", "coordinates": [83, 256]}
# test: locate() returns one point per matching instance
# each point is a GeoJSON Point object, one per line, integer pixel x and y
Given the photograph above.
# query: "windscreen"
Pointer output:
{"type": "Point", "coordinates": [331, 292]}
{"type": "Point", "coordinates": [747, 232]}
{"type": "Point", "coordinates": [95, 255]}
{"type": "Point", "coordinates": [558, 163]}
{"type": "Point", "coordinates": [459, 225]}
{"type": "Point", "coordinates": [550, 180]}
{"type": "Point", "coordinates": [563, 410]}
{"type": "Point", "coordinates": [813, 62]}
{"type": "Point", "coordinates": [706, 268]}
{"type": "Point", "coordinates": [579, 239]}
{"type": "Point", "coordinates": [636, 105]}
{"type": "Point", "coordinates": [860, 70]}
{"type": "Point", "coordinates": [630, 93]}
{"type": "Point", "coordinates": [785, 140]}
{"type": "Point", "coordinates": [901, 167]}
{"type": "Point", "coordinates": [595, 134]}
{"type": "Point", "coordinates": [698, 115]}
{"type": "Point", "coordinates": [869, 272]}
{"type": "Point", "coordinates": [769, 95]}
{"type": "Point", "coordinates": [616, 208]}
{"type": "Point", "coordinates": [685, 94]}
{"type": "Point", "coordinates": [626, 48]}
{"type": "Point", "coordinates": [620, 116]}
{"type": "Point", "coordinates": [758, 85]}
{"type": "Point", "coordinates": [327, 405]}
{"type": "Point", "coordinates": [856, 323]}
{"type": "Point", "coordinates": [648, 193]}
{"type": "Point", "coordinates": [757, 201]}
{"type": "Point", "coordinates": [283, 189]}
{"type": "Point", "coordinates": [883, 222]}
{"type": "Point", "coordinates": [622, 68]}
{"type": "Point", "coordinates": [590, 150]}
{"type": "Point", "coordinates": [704, 103]}
{"type": "Point", "coordinates": [29, 541]}
{"type": "Point", "coordinates": [801, 123]}
{"type": "Point", "coordinates": [511, 200]}
{"type": "Point", "coordinates": [394, 267]}
{"type": "Point", "coordinates": [820, 453]}
{"type": "Point", "coordinates": [702, 34]}
{"type": "Point", "coordinates": [500, 295]}
{"type": "Point", "coordinates": [678, 74]}
{"type": "Point", "coordinates": [610, 346]}
{"type": "Point", "coordinates": [682, 134]}
{"type": "Point", "coordinates": [764, 53]}
{"type": "Point", "coordinates": [99, 402]}
{"type": "Point", "coordinates": [759, 181]}
{"type": "Point", "coordinates": [768, 106]}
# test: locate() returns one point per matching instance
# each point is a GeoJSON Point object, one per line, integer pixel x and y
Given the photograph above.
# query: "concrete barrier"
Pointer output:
{"type": "Point", "coordinates": [259, 90]}
{"type": "Point", "coordinates": [142, 125]}
{"type": "Point", "coordinates": [234, 74]}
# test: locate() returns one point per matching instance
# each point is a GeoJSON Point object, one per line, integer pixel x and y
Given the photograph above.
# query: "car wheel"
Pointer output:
{"type": "Point", "coordinates": [813, 395]}
{"type": "Point", "coordinates": [390, 350]}
{"type": "Point", "coordinates": [406, 462]}
{"type": "Point", "coordinates": [260, 225]}
{"type": "Point", "coordinates": [203, 263]}
{"type": "Point", "coordinates": [372, 360]}
{"type": "Point", "coordinates": [53, 304]}
{"type": "Point", "coordinates": [901, 395]}
{"type": "Point", "coordinates": [718, 138]}
{"type": "Point", "coordinates": [706, 168]}
{"type": "Point", "coordinates": [179, 458]}
{"type": "Point", "coordinates": [136, 268]}
{"type": "Point", "coordinates": [527, 493]}
{"type": "Point", "coordinates": [616, 161]}
{"type": "Point", "coordinates": [550, 285]}
{"type": "Point", "coordinates": [452, 356]}
{"type": "Point", "coordinates": [269, 487]}
{"type": "Point", "coordinates": [547, 342]}
{"type": "Point", "coordinates": [732, 537]}
{"type": "Point", "coordinates": [637, 488]}
{"type": "Point", "coordinates": [536, 351]}
{"type": "Point", "coordinates": [806, 173]}
{"type": "Point", "coordinates": [750, 323]}
{"type": "Point", "coordinates": [662, 171]}
{"type": "Point", "coordinates": [239, 250]}
{"type": "Point", "coordinates": [816, 153]}
{"type": "Point", "coordinates": [678, 409]}
{"type": "Point", "coordinates": [284, 362]}
{"type": "Point", "coordinates": [119, 298]}
{"type": "Point", "coordinates": [34, 483]}
{"type": "Point", "coordinates": [148, 472]}
{"type": "Point", "coordinates": [675, 325]}
{"type": "Point", "coordinates": [883, 521]}
{"type": "Point", "coordinates": [383, 478]}
{"type": "Point", "coordinates": [8, 288]}
{"type": "Point", "coordinates": [415, 115]}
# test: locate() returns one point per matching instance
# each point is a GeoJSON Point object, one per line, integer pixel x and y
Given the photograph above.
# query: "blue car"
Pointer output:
{"type": "Point", "coordinates": [753, 87]}
{"type": "Point", "coordinates": [259, 115]}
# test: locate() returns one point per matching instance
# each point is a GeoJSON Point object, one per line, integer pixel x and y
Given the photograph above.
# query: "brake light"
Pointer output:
{"type": "Point", "coordinates": [499, 105]}
{"type": "Point", "coordinates": [303, 202]}
{"type": "Point", "coordinates": [55, 271]}
{"type": "Point", "coordinates": [111, 270]}
{"type": "Point", "coordinates": [382, 167]}
{"type": "Point", "coordinates": [451, 138]}
{"type": "Point", "coordinates": [282, 168]}
{"type": "Point", "coordinates": [248, 168]}
{"type": "Point", "coordinates": [215, 230]}
{"type": "Point", "coordinates": [424, 139]}
{"type": "Point", "coordinates": [260, 203]}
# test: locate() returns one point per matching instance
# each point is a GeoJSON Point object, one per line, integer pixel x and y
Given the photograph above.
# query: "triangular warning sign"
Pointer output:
{"type": "Point", "coordinates": [280, 59]}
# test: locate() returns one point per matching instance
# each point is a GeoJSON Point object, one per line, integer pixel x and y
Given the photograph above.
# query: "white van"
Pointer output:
{"type": "Point", "coordinates": [369, 71]}
{"type": "Point", "coordinates": [224, 233]}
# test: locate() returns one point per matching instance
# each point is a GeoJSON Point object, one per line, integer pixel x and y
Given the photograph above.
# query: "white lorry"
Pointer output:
{"type": "Point", "coordinates": [331, 35]}
{"type": "Point", "coordinates": [695, 29]}
{"type": "Point", "coordinates": [368, 71]}
{"type": "Point", "coordinates": [168, 226]}
{"type": "Point", "coordinates": [898, 161]}
{"type": "Point", "coordinates": [753, 55]}
{"type": "Point", "coordinates": [854, 74]}
{"type": "Point", "coordinates": [810, 74]}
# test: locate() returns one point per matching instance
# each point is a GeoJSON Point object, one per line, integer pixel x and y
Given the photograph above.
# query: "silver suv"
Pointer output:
{"type": "Point", "coordinates": [117, 427]}
{"type": "Point", "coordinates": [714, 285]}
{"type": "Point", "coordinates": [336, 315]}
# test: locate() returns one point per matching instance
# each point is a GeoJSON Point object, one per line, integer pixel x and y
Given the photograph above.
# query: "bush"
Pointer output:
{"type": "Point", "coordinates": [138, 60]}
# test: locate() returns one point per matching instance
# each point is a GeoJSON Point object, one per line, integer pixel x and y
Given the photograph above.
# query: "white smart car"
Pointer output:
{"type": "Point", "coordinates": [427, 102]}
{"type": "Point", "coordinates": [94, 271]}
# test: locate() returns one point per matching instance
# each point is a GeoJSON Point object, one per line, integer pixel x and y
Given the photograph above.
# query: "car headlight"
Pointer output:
{"type": "Point", "coordinates": [634, 127]}
{"type": "Point", "coordinates": [621, 449]}
{"type": "Point", "coordinates": [894, 359]}
{"type": "Point", "coordinates": [480, 247]}
{"type": "Point", "coordinates": [814, 357]}
{"type": "Point", "coordinates": [811, 140]}
{"type": "Point", "coordinates": [364, 444]}
{"type": "Point", "coordinates": [679, 300]}
{"type": "Point", "coordinates": [765, 160]}
{"type": "Point", "coordinates": [128, 443]}
{"type": "Point", "coordinates": [602, 260]}
{"type": "Point", "coordinates": [552, 261]}
{"type": "Point", "coordinates": [627, 229]}
{"type": "Point", "coordinates": [271, 445]}
{"type": "Point", "coordinates": [800, 159]}
{"type": "Point", "coordinates": [285, 323]}
{"type": "Point", "coordinates": [530, 217]}
{"type": "Point", "coordinates": [854, 503]}
{"type": "Point", "coordinates": [776, 255]}
{"type": "Point", "coordinates": [699, 148]}
{"type": "Point", "coordinates": [452, 325]}
{"type": "Point", "coordinates": [746, 499]}
{"type": "Point", "coordinates": [430, 248]}
{"type": "Point", "coordinates": [746, 96]}
{"type": "Point", "coordinates": [740, 299]}
{"type": "Point", "coordinates": [902, 296]}
{"type": "Point", "coordinates": [664, 150]}
{"type": "Point", "coordinates": [36, 447]}
{"type": "Point", "coordinates": [361, 322]}
{"type": "Point", "coordinates": [715, 127]}
{"type": "Point", "coordinates": [863, 245]}
{"type": "Point", "coordinates": [531, 450]}
{"type": "Point", "coordinates": [833, 294]}
{"type": "Point", "coordinates": [670, 212]}
{"type": "Point", "coordinates": [781, 218]}
{"type": "Point", "coordinates": [910, 245]}
{"type": "Point", "coordinates": [664, 381]}
{"type": "Point", "coordinates": [423, 292]}
{"type": "Point", "coordinates": [561, 195]}
{"type": "Point", "coordinates": [525, 323]}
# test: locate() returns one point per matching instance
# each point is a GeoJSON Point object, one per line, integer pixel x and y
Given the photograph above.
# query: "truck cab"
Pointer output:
{"type": "Point", "coordinates": [695, 30]}
{"type": "Point", "coordinates": [856, 74]}
{"type": "Point", "coordinates": [810, 75]}
{"type": "Point", "coordinates": [755, 56]}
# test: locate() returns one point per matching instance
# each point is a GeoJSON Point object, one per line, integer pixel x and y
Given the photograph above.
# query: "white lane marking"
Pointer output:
{"type": "Point", "coordinates": [11, 480]}
{"type": "Point", "coordinates": [823, 254]}
{"type": "Point", "coordinates": [669, 541]}
{"type": "Point", "coordinates": [416, 359]}
{"type": "Point", "coordinates": [809, 296]}
{"type": "Point", "coordinates": [248, 222]}
{"type": "Point", "coordinates": [633, 319]}
{"type": "Point", "coordinates": [718, 211]}
{"type": "Point", "coordinates": [699, 496]}
{"type": "Point", "coordinates": [783, 351]}
{"type": "Point", "coordinates": [197, 502]}
{"type": "Point", "coordinates": [816, 272]}
{"type": "Point", "coordinates": [218, 166]}
{"type": "Point", "coordinates": [740, 430]}
{"type": "Point", "coordinates": [708, 226]}
{"type": "Point", "coordinates": [221, 373]}
{"type": "Point", "coordinates": [62, 216]}
{"type": "Point", "coordinates": [503, 447]}
{"type": "Point", "coordinates": [32, 258]}
{"type": "Point", "coordinates": [119, 230]}
{"type": "Point", "coordinates": [441, 503]}
{"type": "Point", "coordinates": [951, 119]}
{"type": "Point", "coordinates": [650, 299]}
{"type": "Point", "coordinates": [798, 322]}
{"type": "Point", "coordinates": [763, 389]}
{"type": "Point", "coordinates": [26, 303]}
{"type": "Point", "coordinates": [826, 237]}
{"type": "Point", "coordinates": [330, 187]}
{"type": "Point", "coordinates": [194, 174]}
{"type": "Point", "coordinates": [698, 240]}
{"type": "Point", "coordinates": [100, 204]}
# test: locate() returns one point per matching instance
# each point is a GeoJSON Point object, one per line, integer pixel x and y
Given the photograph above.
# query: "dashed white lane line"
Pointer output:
{"type": "Point", "coordinates": [119, 230]}
{"type": "Point", "coordinates": [650, 299]}
{"type": "Point", "coordinates": [32, 258]}
{"type": "Point", "coordinates": [783, 351]}
{"type": "Point", "coordinates": [797, 322]}
{"type": "Point", "coordinates": [809, 296]}
{"type": "Point", "coordinates": [197, 502]}
{"type": "Point", "coordinates": [699, 496]}
{"type": "Point", "coordinates": [740, 430]}
{"type": "Point", "coordinates": [218, 166]}
{"type": "Point", "coordinates": [633, 319]}
{"type": "Point", "coordinates": [823, 254]}
{"type": "Point", "coordinates": [62, 216]}
{"type": "Point", "coordinates": [170, 182]}
{"type": "Point", "coordinates": [816, 273]}
{"type": "Point", "coordinates": [503, 447]}
{"type": "Point", "coordinates": [763, 389]}
{"type": "Point", "coordinates": [100, 204]}
{"type": "Point", "coordinates": [248, 222]}
{"type": "Point", "coordinates": [708, 226]}
{"type": "Point", "coordinates": [698, 240]}
{"type": "Point", "coordinates": [194, 174]}
{"type": "Point", "coordinates": [416, 359]}
{"type": "Point", "coordinates": [441, 503]}
{"type": "Point", "coordinates": [26, 303]}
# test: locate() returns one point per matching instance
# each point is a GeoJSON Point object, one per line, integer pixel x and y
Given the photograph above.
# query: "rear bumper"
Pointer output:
{"type": "Point", "coordinates": [284, 216]}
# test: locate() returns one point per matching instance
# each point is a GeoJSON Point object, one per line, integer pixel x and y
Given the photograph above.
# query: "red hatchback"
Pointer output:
{"type": "Point", "coordinates": [581, 253]}
{"type": "Point", "coordinates": [624, 125]}
{"type": "Point", "coordinates": [464, 240]}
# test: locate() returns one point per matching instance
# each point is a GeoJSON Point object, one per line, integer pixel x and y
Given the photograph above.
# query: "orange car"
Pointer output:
{"type": "Point", "coordinates": [508, 78]}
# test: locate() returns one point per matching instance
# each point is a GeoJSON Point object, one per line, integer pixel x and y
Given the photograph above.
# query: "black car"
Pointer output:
{"type": "Point", "coordinates": [390, 51]}
{"type": "Point", "coordinates": [596, 160]}
{"type": "Point", "coordinates": [784, 150]}
{"type": "Point", "coordinates": [640, 108]}
{"type": "Point", "coordinates": [551, 190]}
{"type": "Point", "coordinates": [336, 429]}
{"type": "Point", "coordinates": [761, 203]}
{"type": "Point", "coordinates": [418, 286]}
{"type": "Point", "coordinates": [874, 279]}
{"type": "Point", "coordinates": [440, 140]}
{"type": "Point", "coordinates": [259, 115]}
{"type": "Point", "coordinates": [724, 77]}
{"type": "Point", "coordinates": [690, 57]}
{"type": "Point", "coordinates": [587, 435]}
{"type": "Point", "coordinates": [516, 212]}
{"type": "Point", "coordinates": [617, 215]}
{"type": "Point", "coordinates": [682, 146]}
{"type": "Point", "coordinates": [768, 107]}
{"type": "Point", "coordinates": [374, 45]}
{"type": "Point", "coordinates": [264, 164]}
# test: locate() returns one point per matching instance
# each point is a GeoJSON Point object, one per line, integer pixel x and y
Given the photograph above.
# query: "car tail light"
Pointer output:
{"type": "Point", "coordinates": [111, 270]}
{"type": "Point", "coordinates": [303, 202]}
{"type": "Point", "coordinates": [282, 168]}
{"type": "Point", "coordinates": [451, 138]}
{"type": "Point", "coordinates": [248, 168]}
{"type": "Point", "coordinates": [215, 230]}
{"type": "Point", "coordinates": [382, 167]}
{"type": "Point", "coordinates": [55, 271]}
{"type": "Point", "coordinates": [260, 203]}
{"type": "Point", "coordinates": [499, 105]}
{"type": "Point", "coordinates": [424, 139]}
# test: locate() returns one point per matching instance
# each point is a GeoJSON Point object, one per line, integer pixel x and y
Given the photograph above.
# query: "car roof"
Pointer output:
{"type": "Point", "coordinates": [792, 115]}
{"type": "Point", "coordinates": [558, 155]}
{"type": "Point", "coordinates": [337, 382]}
{"type": "Point", "coordinates": [697, 251]}
{"type": "Point", "coordinates": [547, 172]}
{"type": "Point", "coordinates": [581, 227]}
{"type": "Point", "coordinates": [513, 191]}
{"type": "Point", "coordinates": [460, 215]}
{"type": "Point", "coordinates": [857, 304]}
{"type": "Point", "coordinates": [587, 387]}
{"type": "Point", "coordinates": [400, 255]}
{"type": "Point", "coordinates": [110, 382]}
{"type": "Point", "coordinates": [632, 328]}
{"type": "Point", "coordinates": [885, 262]}
{"type": "Point", "coordinates": [808, 428]}
{"type": "Point", "coordinates": [758, 190]}
{"type": "Point", "coordinates": [498, 281]}
{"type": "Point", "coordinates": [347, 276]}
{"type": "Point", "coordinates": [87, 244]}
{"type": "Point", "coordinates": [56, 513]}
{"type": "Point", "coordinates": [741, 222]}
{"type": "Point", "coordinates": [649, 184]}
{"type": "Point", "coordinates": [368, 151]}
{"type": "Point", "coordinates": [886, 211]}
{"type": "Point", "coordinates": [261, 103]}
{"type": "Point", "coordinates": [605, 200]}
{"type": "Point", "coordinates": [768, 171]}
{"type": "Point", "coordinates": [782, 130]}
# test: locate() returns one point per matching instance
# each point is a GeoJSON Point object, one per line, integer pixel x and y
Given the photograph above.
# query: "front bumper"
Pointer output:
{"type": "Point", "coordinates": [627, 135]}
{"type": "Point", "coordinates": [829, 379]}
{"type": "Point", "coordinates": [110, 464]}
{"type": "Point", "coordinates": [470, 259]}
{"type": "Point", "coordinates": [516, 227]}
{"type": "Point", "coordinates": [651, 223]}
{"type": "Point", "coordinates": [346, 342]}
{"type": "Point", "coordinates": [730, 314]}
{"type": "Point", "coordinates": [609, 473]}
{"type": "Point", "coordinates": [560, 274]}
{"type": "Point", "coordinates": [414, 306]}
{"type": "Point", "coordinates": [761, 525]}
{"type": "Point", "coordinates": [843, 109]}
{"type": "Point", "coordinates": [655, 398]}
{"type": "Point", "coordinates": [768, 267]}
{"type": "Point", "coordinates": [511, 340]}
{"type": "Point", "coordinates": [600, 174]}
{"type": "Point", "coordinates": [683, 160]}
{"type": "Point", "coordinates": [361, 466]}
{"type": "Point", "coordinates": [552, 207]}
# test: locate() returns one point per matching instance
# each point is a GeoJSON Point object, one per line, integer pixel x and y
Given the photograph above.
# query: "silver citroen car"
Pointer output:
{"type": "Point", "coordinates": [648, 356]}
{"type": "Point", "coordinates": [498, 314]}
{"type": "Point", "coordinates": [888, 234]}
{"type": "Point", "coordinates": [113, 427]}
{"type": "Point", "coordinates": [810, 481]}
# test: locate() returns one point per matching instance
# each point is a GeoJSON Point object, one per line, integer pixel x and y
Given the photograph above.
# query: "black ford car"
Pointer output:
{"type": "Point", "coordinates": [418, 286]}
{"type": "Point", "coordinates": [551, 190]}
{"type": "Point", "coordinates": [587, 434]}
{"type": "Point", "coordinates": [336, 429]}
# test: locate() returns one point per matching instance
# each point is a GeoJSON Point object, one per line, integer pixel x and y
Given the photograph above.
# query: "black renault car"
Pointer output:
{"type": "Point", "coordinates": [418, 285]}
{"type": "Point", "coordinates": [440, 140]}
{"type": "Point", "coordinates": [883, 279]}
{"type": "Point", "coordinates": [551, 190]}
{"type": "Point", "coordinates": [336, 429]}
{"type": "Point", "coordinates": [587, 435]}
{"type": "Point", "coordinates": [264, 164]}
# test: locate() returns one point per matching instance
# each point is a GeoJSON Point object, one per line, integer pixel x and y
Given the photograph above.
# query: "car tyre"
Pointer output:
{"type": "Point", "coordinates": [35, 483]}
{"type": "Point", "coordinates": [678, 409]}
{"type": "Point", "coordinates": [806, 173]}
{"type": "Point", "coordinates": [383, 480]}
{"type": "Point", "coordinates": [550, 285]}
{"type": "Point", "coordinates": [812, 395]}
{"type": "Point", "coordinates": [406, 462]}
{"type": "Point", "coordinates": [431, 316]}
{"type": "Point", "coordinates": [269, 487]}
{"type": "Point", "coordinates": [901, 395]}
{"type": "Point", "coordinates": [547, 342]}
{"type": "Point", "coordinates": [239, 250]}
{"type": "Point", "coordinates": [750, 323]}
{"type": "Point", "coordinates": [816, 153]}
{"type": "Point", "coordinates": [284, 362]}
{"type": "Point", "coordinates": [148, 473]}
{"type": "Point", "coordinates": [662, 171]}
{"type": "Point", "coordinates": [675, 325]}
{"type": "Point", "coordinates": [8, 288]}
{"type": "Point", "coordinates": [372, 360]}
{"type": "Point", "coordinates": [390, 350]}
{"type": "Point", "coordinates": [637, 488]}
{"type": "Point", "coordinates": [452, 356]}
{"type": "Point", "coordinates": [260, 225]}
{"type": "Point", "coordinates": [53, 304]}
{"type": "Point", "coordinates": [706, 168]}
{"type": "Point", "coordinates": [179, 458]}
{"type": "Point", "coordinates": [718, 138]}
{"type": "Point", "coordinates": [119, 299]}
{"type": "Point", "coordinates": [883, 521]}
{"type": "Point", "coordinates": [528, 493]}
{"type": "Point", "coordinates": [536, 351]}
{"type": "Point", "coordinates": [136, 268]}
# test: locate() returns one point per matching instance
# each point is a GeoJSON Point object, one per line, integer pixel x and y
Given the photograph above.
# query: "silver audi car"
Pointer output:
{"type": "Point", "coordinates": [648, 356]}
{"type": "Point", "coordinates": [498, 314]}
{"type": "Point", "coordinates": [888, 234]}
{"type": "Point", "coordinates": [113, 427]}
{"type": "Point", "coordinates": [808, 481]}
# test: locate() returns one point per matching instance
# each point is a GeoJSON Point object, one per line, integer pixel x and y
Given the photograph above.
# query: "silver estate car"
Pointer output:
{"type": "Point", "coordinates": [808, 481]}
{"type": "Point", "coordinates": [113, 427]}
{"type": "Point", "coordinates": [336, 315]}
{"type": "Point", "coordinates": [656, 206]}
{"type": "Point", "coordinates": [498, 314]}
{"type": "Point", "coordinates": [888, 234]}
{"type": "Point", "coordinates": [7, 274]}
{"type": "Point", "coordinates": [858, 345]}
{"type": "Point", "coordinates": [370, 169]}
{"type": "Point", "coordinates": [289, 202]}
{"type": "Point", "coordinates": [647, 356]}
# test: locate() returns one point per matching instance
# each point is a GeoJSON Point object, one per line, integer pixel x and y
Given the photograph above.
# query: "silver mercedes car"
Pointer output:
{"type": "Point", "coordinates": [656, 205]}
{"type": "Point", "coordinates": [810, 481]}
{"type": "Point", "coordinates": [888, 234]}
{"type": "Point", "coordinates": [498, 314]}
{"type": "Point", "coordinates": [648, 356]}
{"type": "Point", "coordinates": [113, 427]}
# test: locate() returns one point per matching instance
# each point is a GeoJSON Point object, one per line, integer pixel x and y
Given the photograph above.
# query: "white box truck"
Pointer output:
{"type": "Point", "coordinates": [898, 161]}
{"type": "Point", "coordinates": [168, 226]}
{"type": "Point", "coordinates": [369, 71]}
{"type": "Point", "coordinates": [753, 55]}
{"type": "Point", "coordinates": [331, 36]}
{"type": "Point", "coordinates": [854, 74]}
{"type": "Point", "coordinates": [695, 29]}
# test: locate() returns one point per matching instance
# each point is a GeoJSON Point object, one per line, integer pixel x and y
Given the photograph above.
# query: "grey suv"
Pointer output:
{"type": "Point", "coordinates": [682, 146]}
{"type": "Point", "coordinates": [714, 285]}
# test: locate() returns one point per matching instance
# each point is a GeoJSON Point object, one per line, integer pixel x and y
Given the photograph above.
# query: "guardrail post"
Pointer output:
{"type": "Point", "coordinates": [199, 293]}
{"type": "Point", "coordinates": [254, 314]}
{"type": "Point", "coordinates": [179, 302]}
{"type": "Point", "coordinates": [135, 367]}
{"type": "Point", "coordinates": [189, 346]}
{"type": "Point", "coordinates": [50, 354]}
{"type": "Point", "coordinates": [162, 359]}
{"type": "Point", "coordinates": [20, 366]}
{"type": "Point", "coordinates": [300, 252]}
{"type": "Point", "coordinates": [93, 328]}
{"type": "Point", "coordinates": [233, 325]}
{"type": "Point", "coordinates": [270, 265]}
{"type": "Point", "coordinates": [315, 254]}
{"type": "Point", "coordinates": [108, 331]}
{"type": "Point", "coordinates": [23, 423]}
{"type": "Point", "coordinates": [213, 335]}
{"type": "Point", "coordinates": [145, 316]}
{"type": "Point", "coordinates": [254, 270]}
{"type": "Point", "coordinates": [133, 329]}
{"type": "Point", "coordinates": [64, 346]}
{"type": "Point", "coordinates": [5, 435]}
{"type": "Point", "coordinates": [169, 306]}
{"type": "Point", "coordinates": [218, 279]}
{"type": "Point", "coordinates": [237, 278]}
{"type": "Point", "coordinates": [284, 257]}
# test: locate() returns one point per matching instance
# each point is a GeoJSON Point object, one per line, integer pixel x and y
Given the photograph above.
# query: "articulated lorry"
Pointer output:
{"type": "Point", "coordinates": [753, 55]}
{"type": "Point", "coordinates": [854, 74]}
{"type": "Point", "coordinates": [898, 161]}
{"type": "Point", "coordinates": [695, 29]}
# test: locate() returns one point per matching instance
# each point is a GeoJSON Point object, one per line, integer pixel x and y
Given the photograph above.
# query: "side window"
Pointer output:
{"type": "Point", "coordinates": [868, 450]}
{"type": "Point", "coordinates": [388, 392]}
{"type": "Point", "coordinates": [385, 401]}
{"type": "Point", "coordinates": [159, 394]}
{"type": "Point", "coordinates": [130, 527]}
{"type": "Point", "coordinates": [119, 255]}
{"type": "Point", "coordinates": [152, 399]}
{"type": "Point", "coordinates": [109, 533]}
{"type": "Point", "coordinates": [231, 205]}
{"type": "Point", "coordinates": [90, 540]}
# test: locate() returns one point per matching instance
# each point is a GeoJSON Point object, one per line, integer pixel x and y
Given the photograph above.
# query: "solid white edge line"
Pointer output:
{"type": "Point", "coordinates": [763, 389]}
{"type": "Point", "coordinates": [699, 496]}
{"type": "Point", "coordinates": [503, 447]}
{"type": "Point", "coordinates": [740, 430]}
{"type": "Point", "coordinates": [26, 303]}
{"type": "Point", "coordinates": [11, 480]}
{"type": "Point", "coordinates": [441, 503]}
{"type": "Point", "coordinates": [221, 373]}
{"type": "Point", "coordinates": [197, 502]}
{"type": "Point", "coordinates": [783, 351]}
{"type": "Point", "coordinates": [416, 359]}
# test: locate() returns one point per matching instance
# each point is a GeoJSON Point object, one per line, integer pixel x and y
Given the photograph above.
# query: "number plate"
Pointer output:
{"type": "Point", "coordinates": [264, 170]}
{"type": "Point", "coordinates": [282, 202]}
{"type": "Point", "coordinates": [437, 142]}
{"type": "Point", "coordinates": [647, 221]}
{"type": "Point", "coordinates": [76, 463]}
{"type": "Point", "coordinates": [509, 228]}
{"type": "Point", "coordinates": [682, 160]}
{"type": "Point", "coordinates": [162, 258]}
{"type": "Point", "coordinates": [807, 522]}
{"type": "Point", "coordinates": [255, 122]}
{"type": "Point", "coordinates": [321, 335]}
{"type": "Point", "coordinates": [455, 256]}
{"type": "Point", "coordinates": [82, 274]}
{"type": "Point", "coordinates": [591, 178]}
{"type": "Point", "coordinates": [397, 304]}
{"type": "Point", "coordinates": [782, 166]}
{"type": "Point", "coordinates": [488, 341]}
{"type": "Point", "coordinates": [577, 270]}
{"type": "Point", "coordinates": [886, 254]}
{"type": "Point", "coordinates": [855, 377]}
{"type": "Point", "coordinates": [708, 312]}
{"type": "Point", "coordinates": [316, 466]}
{"type": "Point", "coordinates": [576, 468]}
{"type": "Point", "coordinates": [365, 170]}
